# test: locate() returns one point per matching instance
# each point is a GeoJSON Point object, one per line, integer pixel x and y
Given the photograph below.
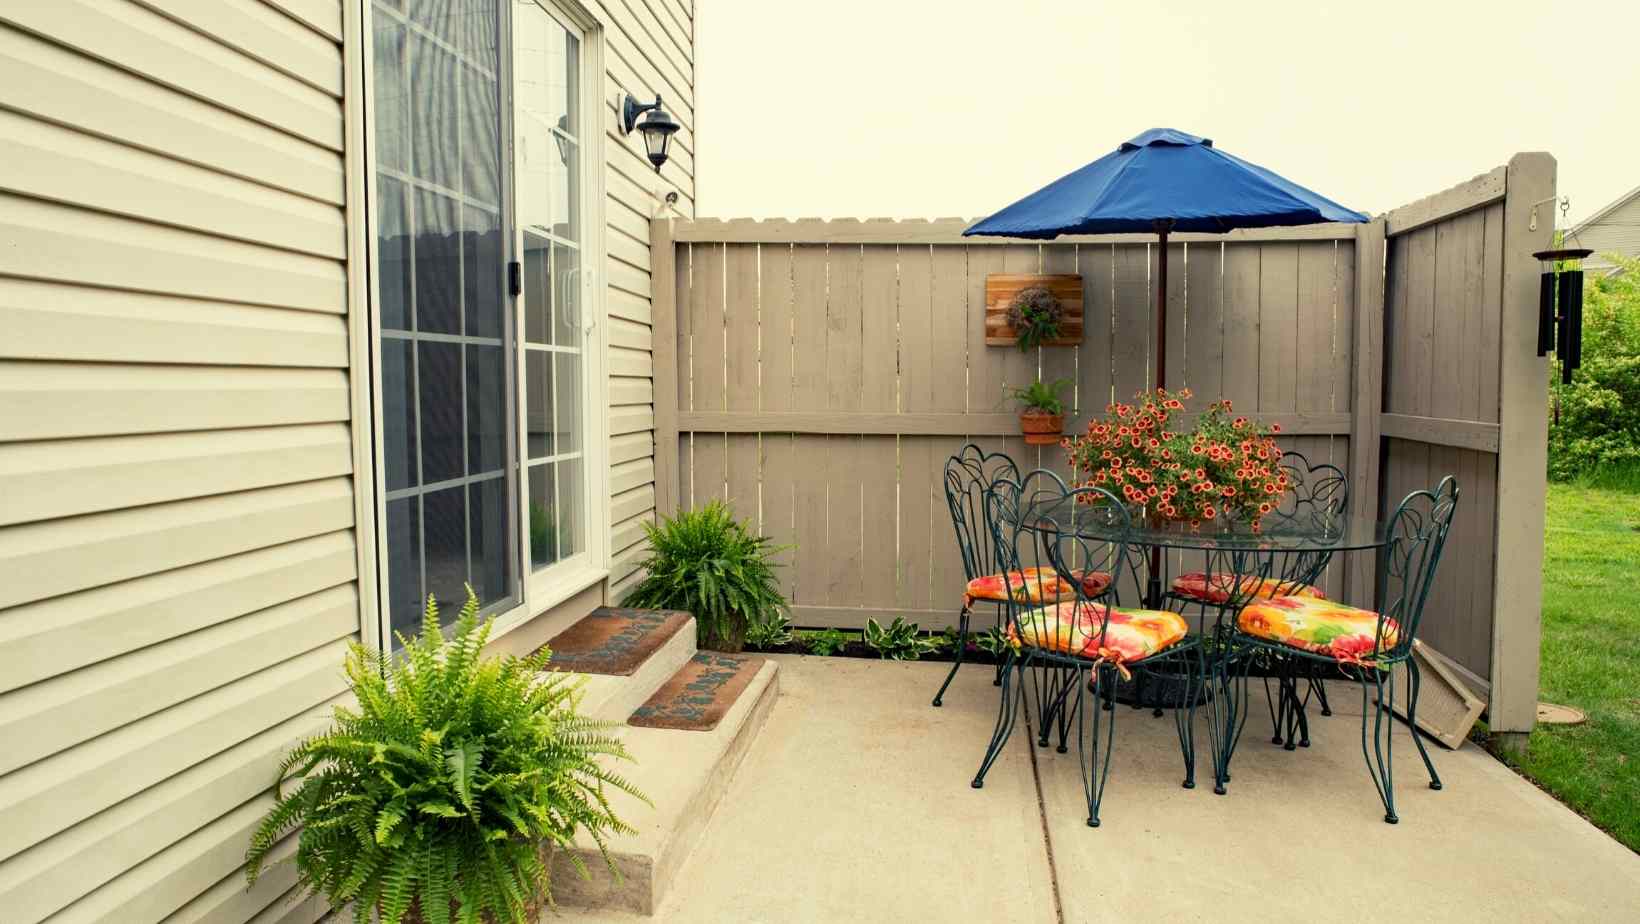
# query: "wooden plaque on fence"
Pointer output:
{"type": "Point", "coordinates": [1000, 289]}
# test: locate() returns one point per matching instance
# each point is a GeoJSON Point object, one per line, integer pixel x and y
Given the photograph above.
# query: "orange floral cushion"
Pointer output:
{"type": "Point", "coordinates": [1074, 628]}
{"type": "Point", "coordinates": [1215, 587]}
{"type": "Point", "coordinates": [1033, 585]}
{"type": "Point", "coordinates": [1319, 626]}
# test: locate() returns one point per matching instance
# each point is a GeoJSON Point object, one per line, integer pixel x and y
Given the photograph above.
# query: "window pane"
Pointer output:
{"type": "Point", "coordinates": [434, 120]}
{"type": "Point", "coordinates": [444, 525]}
{"type": "Point", "coordinates": [399, 414]}
{"type": "Point", "coordinates": [567, 419]}
{"type": "Point", "coordinates": [404, 565]}
{"type": "Point", "coordinates": [486, 410]}
{"type": "Point", "coordinates": [438, 264]}
{"type": "Point", "coordinates": [491, 520]}
{"type": "Point", "coordinates": [439, 391]}
{"type": "Point", "coordinates": [537, 288]}
{"type": "Point", "coordinates": [543, 517]}
{"type": "Point", "coordinates": [481, 270]}
{"type": "Point", "coordinates": [392, 147]}
{"type": "Point", "coordinates": [571, 504]}
{"type": "Point", "coordinates": [393, 244]}
{"type": "Point", "coordinates": [538, 404]}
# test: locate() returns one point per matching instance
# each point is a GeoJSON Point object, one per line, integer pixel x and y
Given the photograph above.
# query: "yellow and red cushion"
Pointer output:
{"type": "Point", "coordinates": [1216, 587]}
{"type": "Point", "coordinates": [1033, 585]}
{"type": "Point", "coordinates": [1080, 628]}
{"type": "Point", "coordinates": [1320, 626]}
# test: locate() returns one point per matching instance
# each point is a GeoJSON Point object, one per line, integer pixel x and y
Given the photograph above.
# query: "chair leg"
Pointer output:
{"type": "Point", "coordinates": [1184, 718]}
{"type": "Point", "coordinates": [1380, 757]}
{"type": "Point", "coordinates": [1095, 766]}
{"type": "Point", "coordinates": [962, 645]}
{"type": "Point", "coordinates": [1319, 688]}
{"type": "Point", "coordinates": [1013, 682]}
{"type": "Point", "coordinates": [1235, 671]}
{"type": "Point", "coordinates": [1412, 722]}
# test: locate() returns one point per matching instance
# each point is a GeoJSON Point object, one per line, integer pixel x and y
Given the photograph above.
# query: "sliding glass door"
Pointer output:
{"type": "Point", "coordinates": [485, 306]}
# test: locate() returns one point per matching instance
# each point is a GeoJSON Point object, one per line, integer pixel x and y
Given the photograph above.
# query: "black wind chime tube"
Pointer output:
{"type": "Point", "coordinates": [1546, 313]}
{"type": "Point", "coordinates": [1571, 323]}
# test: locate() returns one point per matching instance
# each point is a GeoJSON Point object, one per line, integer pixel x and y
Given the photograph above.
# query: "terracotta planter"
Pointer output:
{"type": "Point", "coordinates": [1041, 429]}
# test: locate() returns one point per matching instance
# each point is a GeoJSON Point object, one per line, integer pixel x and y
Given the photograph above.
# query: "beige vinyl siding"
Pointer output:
{"type": "Point", "coordinates": [649, 48]}
{"type": "Point", "coordinates": [1617, 231]}
{"type": "Point", "coordinates": [178, 559]}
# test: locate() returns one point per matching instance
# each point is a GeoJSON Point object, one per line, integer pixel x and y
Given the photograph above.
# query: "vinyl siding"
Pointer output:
{"type": "Point", "coordinates": [1617, 231]}
{"type": "Point", "coordinates": [178, 560]}
{"type": "Point", "coordinates": [649, 48]}
{"type": "Point", "coordinates": [178, 549]}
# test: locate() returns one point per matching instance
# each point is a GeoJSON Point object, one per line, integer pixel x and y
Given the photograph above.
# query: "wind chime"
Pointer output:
{"type": "Point", "coordinates": [1560, 301]}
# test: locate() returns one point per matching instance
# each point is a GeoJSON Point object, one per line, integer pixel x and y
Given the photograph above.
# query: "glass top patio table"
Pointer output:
{"type": "Point", "coordinates": [1276, 537]}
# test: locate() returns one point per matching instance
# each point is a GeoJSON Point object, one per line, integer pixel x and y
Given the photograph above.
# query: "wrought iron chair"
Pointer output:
{"type": "Point", "coordinates": [968, 478]}
{"type": "Point", "coordinates": [1318, 499]}
{"type": "Point", "coordinates": [1073, 651]}
{"type": "Point", "coordinates": [1362, 645]}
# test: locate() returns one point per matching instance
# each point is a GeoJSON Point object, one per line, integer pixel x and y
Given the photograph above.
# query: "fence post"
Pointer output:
{"type": "Point", "coordinates": [664, 305]}
{"type": "Point", "coordinates": [1366, 400]}
{"type": "Point", "coordinates": [1523, 407]}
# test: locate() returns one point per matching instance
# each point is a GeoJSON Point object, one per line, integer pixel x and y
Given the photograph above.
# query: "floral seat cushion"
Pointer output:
{"type": "Point", "coordinates": [1033, 585]}
{"type": "Point", "coordinates": [1081, 628]}
{"type": "Point", "coordinates": [1320, 626]}
{"type": "Point", "coordinates": [1215, 587]}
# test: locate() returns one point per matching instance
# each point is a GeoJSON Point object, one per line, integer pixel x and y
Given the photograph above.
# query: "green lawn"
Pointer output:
{"type": "Point", "coordinates": [1591, 656]}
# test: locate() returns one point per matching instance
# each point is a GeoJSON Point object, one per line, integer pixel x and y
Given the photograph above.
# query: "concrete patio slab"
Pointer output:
{"type": "Point", "coordinates": [854, 805]}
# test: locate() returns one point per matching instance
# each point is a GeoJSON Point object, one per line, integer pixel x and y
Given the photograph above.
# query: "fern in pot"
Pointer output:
{"type": "Point", "coordinates": [441, 796]}
{"type": "Point", "coordinates": [708, 563]}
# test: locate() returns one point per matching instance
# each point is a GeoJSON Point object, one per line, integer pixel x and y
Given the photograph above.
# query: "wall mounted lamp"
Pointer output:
{"type": "Point", "coordinates": [656, 124]}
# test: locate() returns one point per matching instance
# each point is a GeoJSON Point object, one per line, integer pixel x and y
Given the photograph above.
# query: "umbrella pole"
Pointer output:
{"type": "Point", "coordinates": [1153, 587]}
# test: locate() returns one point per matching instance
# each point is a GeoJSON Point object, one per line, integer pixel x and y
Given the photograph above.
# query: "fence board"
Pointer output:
{"type": "Point", "coordinates": [1132, 333]}
{"type": "Point", "coordinates": [1278, 327]}
{"type": "Point", "coordinates": [1204, 339]}
{"type": "Point", "coordinates": [1060, 362]}
{"type": "Point", "coordinates": [774, 287]}
{"type": "Point", "coordinates": [1313, 356]}
{"type": "Point", "coordinates": [920, 514]}
{"type": "Point", "coordinates": [740, 327]}
{"type": "Point", "coordinates": [1095, 378]}
{"type": "Point", "coordinates": [1241, 324]}
{"type": "Point", "coordinates": [984, 370]}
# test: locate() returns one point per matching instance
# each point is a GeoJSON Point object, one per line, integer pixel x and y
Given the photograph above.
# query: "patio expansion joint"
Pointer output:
{"type": "Point", "coordinates": [1047, 838]}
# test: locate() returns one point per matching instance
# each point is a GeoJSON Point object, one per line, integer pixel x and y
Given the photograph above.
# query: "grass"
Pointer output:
{"type": "Point", "coordinates": [1591, 652]}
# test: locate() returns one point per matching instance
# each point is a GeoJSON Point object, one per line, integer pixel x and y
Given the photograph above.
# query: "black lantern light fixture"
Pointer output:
{"type": "Point", "coordinates": [657, 126]}
{"type": "Point", "coordinates": [563, 139]}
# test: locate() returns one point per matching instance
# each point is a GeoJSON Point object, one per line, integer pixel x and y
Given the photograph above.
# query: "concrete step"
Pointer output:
{"type": "Point", "coordinates": [685, 774]}
{"type": "Point", "coordinates": [612, 698]}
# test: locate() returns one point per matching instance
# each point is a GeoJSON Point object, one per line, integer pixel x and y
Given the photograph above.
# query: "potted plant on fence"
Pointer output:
{"type": "Point", "coordinates": [1224, 467]}
{"type": "Point", "coordinates": [708, 563]}
{"type": "Point", "coordinates": [1035, 315]}
{"type": "Point", "coordinates": [442, 795]}
{"type": "Point", "coordinates": [1041, 411]}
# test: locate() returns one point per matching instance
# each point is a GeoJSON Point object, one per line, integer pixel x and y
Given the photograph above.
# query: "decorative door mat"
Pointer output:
{"type": "Point", "coordinates": [700, 694]}
{"type": "Point", "coordinates": [614, 641]}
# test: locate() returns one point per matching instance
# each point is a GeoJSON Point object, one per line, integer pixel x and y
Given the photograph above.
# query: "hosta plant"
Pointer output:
{"type": "Point", "coordinates": [441, 795]}
{"type": "Point", "coordinates": [769, 634]}
{"type": "Point", "coordinates": [1225, 467]}
{"type": "Point", "coordinates": [708, 563]}
{"type": "Point", "coordinates": [898, 641]}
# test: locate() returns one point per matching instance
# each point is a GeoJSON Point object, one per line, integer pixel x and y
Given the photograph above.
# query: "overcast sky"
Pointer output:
{"type": "Point", "coordinates": [910, 108]}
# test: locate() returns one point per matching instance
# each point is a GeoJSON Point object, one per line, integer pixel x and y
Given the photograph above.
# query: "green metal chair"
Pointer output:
{"type": "Point", "coordinates": [1317, 500]}
{"type": "Point", "coordinates": [1362, 645]}
{"type": "Point", "coordinates": [1074, 651]}
{"type": "Point", "coordinates": [969, 476]}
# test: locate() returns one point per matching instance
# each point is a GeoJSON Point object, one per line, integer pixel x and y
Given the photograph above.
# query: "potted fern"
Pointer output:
{"type": "Point", "coordinates": [1041, 411]}
{"type": "Point", "coordinates": [708, 563]}
{"type": "Point", "coordinates": [443, 793]}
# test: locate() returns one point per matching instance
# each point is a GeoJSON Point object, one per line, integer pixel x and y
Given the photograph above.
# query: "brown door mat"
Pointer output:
{"type": "Point", "coordinates": [700, 694]}
{"type": "Point", "coordinates": [611, 640]}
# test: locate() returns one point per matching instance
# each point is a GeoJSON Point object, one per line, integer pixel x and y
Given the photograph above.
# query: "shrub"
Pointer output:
{"type": "Point", "coordinates": [824, 642]}
{"type": "Point", "coordinates": [707, 562]}
{"type": "Point", "coordinates": [441, 789]}
{"type": "Point", "coordinates": [898, 641]}
{"type": "Point", "coordinates": [1599, 413]}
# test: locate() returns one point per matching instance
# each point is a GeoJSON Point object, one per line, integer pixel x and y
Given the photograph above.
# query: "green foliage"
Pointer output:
{"type": "Point", "coordinates": [707, 562]}
{"type": "Point", "coordinates": [1599, 413]}
{"type": "Point", "coordinates": [441, 789]}
{"type": "Point", "coordinates": [992, 641]}
{"type": "Point", "coordinates": [1035, 315]}
{"type": "Point", "coordinates": [1042, 396]}
{"type": "Point", "coordinates": [824, 642]}
{"type": "Point", "coordinates": [769, 634]}
{"type": "Point", "coordinates": [898, 641]}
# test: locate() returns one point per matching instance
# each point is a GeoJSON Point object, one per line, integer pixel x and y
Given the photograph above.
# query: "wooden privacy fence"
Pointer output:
{"type": "Point", "coordinates": [817, 374]}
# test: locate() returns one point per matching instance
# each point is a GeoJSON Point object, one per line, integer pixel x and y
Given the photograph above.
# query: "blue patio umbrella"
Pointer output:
{"type": "Point", "coordinates": [1163, 180]}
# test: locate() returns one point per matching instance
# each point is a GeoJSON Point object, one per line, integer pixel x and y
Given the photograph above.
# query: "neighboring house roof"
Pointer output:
{"type": "Point", "coordinates": [1615, 228]}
